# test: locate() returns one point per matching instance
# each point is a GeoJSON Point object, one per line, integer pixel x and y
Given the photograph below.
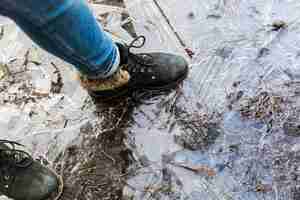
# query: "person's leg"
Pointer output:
{"type": "Point", "coordinates": [67, 29]}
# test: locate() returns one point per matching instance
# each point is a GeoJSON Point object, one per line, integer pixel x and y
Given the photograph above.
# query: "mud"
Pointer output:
{"type": "Point", "coordinates": [97, 167]}
{"type": "Point", "coordinates": [94, 170]}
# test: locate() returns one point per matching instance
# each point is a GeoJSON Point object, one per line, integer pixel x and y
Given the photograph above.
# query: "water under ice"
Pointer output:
{"type": "Point", "coordinates": [222, 134]}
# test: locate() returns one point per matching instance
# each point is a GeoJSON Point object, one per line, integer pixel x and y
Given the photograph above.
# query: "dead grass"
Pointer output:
{"type": "Point", "coordinates": [262, 106]}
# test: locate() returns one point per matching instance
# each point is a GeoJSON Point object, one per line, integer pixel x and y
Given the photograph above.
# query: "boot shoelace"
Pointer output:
{"type": "Point", "coordinates": [12, 159]}
{"type": "Point", "coordinates": [143, 62]}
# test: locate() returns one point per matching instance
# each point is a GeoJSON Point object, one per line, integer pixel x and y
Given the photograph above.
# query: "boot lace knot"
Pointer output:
{"type": "Point", "coordinates": [143, 61]}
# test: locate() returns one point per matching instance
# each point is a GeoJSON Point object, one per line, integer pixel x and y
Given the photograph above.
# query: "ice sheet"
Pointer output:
{"type": "Point", "coordinates": [230, 131]}
{"type": "Point", "coordinates": [243, 79]}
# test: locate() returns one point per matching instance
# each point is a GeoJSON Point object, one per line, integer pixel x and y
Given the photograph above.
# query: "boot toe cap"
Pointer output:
{"type": "Point", "coordinates": [35, 183]}
{"type": "Point", "coordinates": [46, 185]}
{"type": "Point", "coordinates": [182, 66]}
{"type": "Point", "coordinates": [50, 184]}
{"type": "Point", "coordinates": [176, 65]}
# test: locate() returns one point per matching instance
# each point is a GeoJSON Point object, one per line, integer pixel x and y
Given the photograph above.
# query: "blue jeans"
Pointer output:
{"type": "Point", "coordinates": [67, 29]}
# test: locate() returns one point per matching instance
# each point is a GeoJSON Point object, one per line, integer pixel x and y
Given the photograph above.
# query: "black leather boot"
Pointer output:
{"type": "Point", "coordinates": [23, 178]}
{"type": "Point", "coordinates": [148, 71]}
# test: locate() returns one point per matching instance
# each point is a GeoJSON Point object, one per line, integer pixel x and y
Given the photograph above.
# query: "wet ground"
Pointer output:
{"type": "Point", "coordinates": [97, 168]}
{"type": "Point", "coordinates": [230, 131]}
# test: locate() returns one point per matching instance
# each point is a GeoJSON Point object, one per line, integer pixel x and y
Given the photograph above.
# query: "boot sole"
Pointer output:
{"type": "Point", "coordinates": [127, 89]}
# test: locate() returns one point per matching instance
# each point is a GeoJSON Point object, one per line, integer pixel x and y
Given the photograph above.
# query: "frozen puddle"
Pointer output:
{"type": "Point", "coordinates": [230, 132]}
{"type": "Point", "coordinates": [225, 134]}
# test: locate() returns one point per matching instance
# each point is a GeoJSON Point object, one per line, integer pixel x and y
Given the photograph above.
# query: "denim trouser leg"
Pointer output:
{"type": "Point", "coordinates": [67, 29]}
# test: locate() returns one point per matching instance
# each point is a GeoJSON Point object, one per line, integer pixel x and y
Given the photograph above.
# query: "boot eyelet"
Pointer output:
{"type": "Point", "coordinates": [6, 177]}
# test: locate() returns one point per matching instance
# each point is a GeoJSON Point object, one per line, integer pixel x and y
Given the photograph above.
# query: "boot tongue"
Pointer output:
{"type": "Point", "coordinates": [124, 53]}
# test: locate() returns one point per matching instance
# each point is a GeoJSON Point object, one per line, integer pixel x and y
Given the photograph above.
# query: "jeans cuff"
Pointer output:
{"type": "Point", "coordinates": [115, 64]}
{"type": "Point", "coordinates": [112, 68]}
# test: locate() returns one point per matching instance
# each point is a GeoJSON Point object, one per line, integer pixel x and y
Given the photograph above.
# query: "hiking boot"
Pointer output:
{"type": "Point", "coordinates": [23, 178]}
{"type": "Point", "coordinates": [148, 71]}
